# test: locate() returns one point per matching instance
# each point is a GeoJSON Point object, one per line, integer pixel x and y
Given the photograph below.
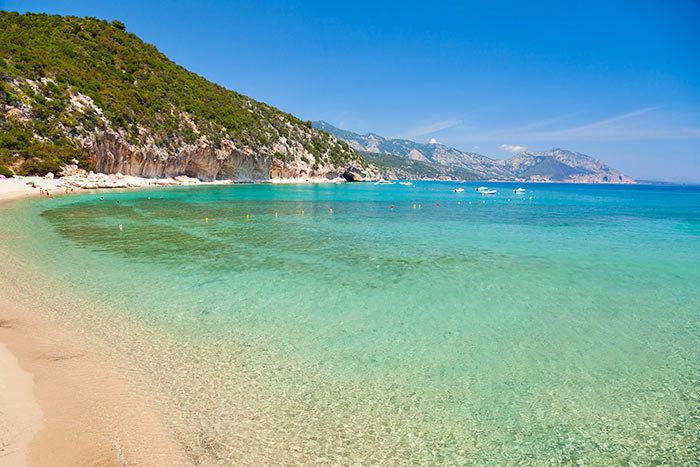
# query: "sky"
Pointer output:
{"type": "Point", "coordinates": [617, 80]}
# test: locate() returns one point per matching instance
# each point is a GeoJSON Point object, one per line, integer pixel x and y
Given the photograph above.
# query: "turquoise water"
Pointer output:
{"type": "Point", "coordinates": [469, 329]}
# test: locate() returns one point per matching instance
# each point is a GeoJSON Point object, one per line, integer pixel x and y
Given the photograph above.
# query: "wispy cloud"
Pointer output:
{"type": "Point", "coordinates": [641, 124]}
{"type": "Point", "coordinates": [583, 129]}
{"type": "Point", "coordinates": [513, 149]}
{"type": "Point", "coordinates": [546, 122]}
{"type": "Point", "coordinates": [429, 129]}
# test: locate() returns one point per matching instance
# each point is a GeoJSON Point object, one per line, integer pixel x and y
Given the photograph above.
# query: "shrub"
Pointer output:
{"type": "Point", "coordinates": [16, 139]}
{"type": "Point", "coordinates": [5, 171]}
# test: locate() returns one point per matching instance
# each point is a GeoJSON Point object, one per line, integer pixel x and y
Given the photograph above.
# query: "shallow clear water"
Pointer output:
{"type": "Point", "coordinates": [468, 329]}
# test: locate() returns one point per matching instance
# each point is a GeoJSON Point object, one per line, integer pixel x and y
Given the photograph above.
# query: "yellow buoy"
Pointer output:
{"type": "Point", "coordinates": [206, 219]}
{"type": "Point", "coordinates": [247, 216]}
{"type": "Point", "coordinates": [302, 212]}
{"type": "Point", "coordinates": [414, 206]}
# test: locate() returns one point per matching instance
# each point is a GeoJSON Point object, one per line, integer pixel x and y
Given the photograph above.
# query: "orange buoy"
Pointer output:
{"type": "Point", "coordinates": [438, 204]}
{"type": "Point", "coordinates": [392, 206]}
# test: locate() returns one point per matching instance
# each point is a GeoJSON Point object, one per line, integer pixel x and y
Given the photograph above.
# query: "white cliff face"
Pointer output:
{"type": "Point", "coordinates": [417, 156]}
{"type": "Point", "coordinates": [481, 165]}
{"type": "Point", "coordinates": [285, 156]}
{"type": "Point", "coordinates": [202, 160]}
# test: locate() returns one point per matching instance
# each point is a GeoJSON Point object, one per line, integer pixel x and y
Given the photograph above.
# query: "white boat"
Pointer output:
{"type": "Point", "coordinates": [458, 190]}
{"type": "Point", "coordinates": [482, 188]}
{"type": "Point", "coordinates": [405, 183]}
{"type": "Point", "coordinates": [519, 190]}
{"type": "Point", "coordinates": [488, 192]}
{"type": "Point", "coordinates": [384, 182]}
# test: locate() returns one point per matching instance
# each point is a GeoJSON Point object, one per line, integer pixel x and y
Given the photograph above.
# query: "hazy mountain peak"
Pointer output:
{"type": "Point", "coordinates": [555, 164]}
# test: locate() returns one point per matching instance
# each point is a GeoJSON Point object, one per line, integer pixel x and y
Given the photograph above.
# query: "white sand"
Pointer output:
{"type": "Point", "coordinates": [17, 186]}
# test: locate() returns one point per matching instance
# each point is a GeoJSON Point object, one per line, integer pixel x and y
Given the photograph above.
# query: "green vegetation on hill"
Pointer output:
{"type": "Point", "coordinates": [142, 93]}
{"type": "Point", "coordinates": [18, 147]}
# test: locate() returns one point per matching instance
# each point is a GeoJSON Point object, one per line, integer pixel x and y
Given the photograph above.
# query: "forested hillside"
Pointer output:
{"type": "Point", "coordinates": [83, 88]}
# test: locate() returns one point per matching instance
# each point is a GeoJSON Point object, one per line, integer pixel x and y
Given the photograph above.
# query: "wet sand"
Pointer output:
{"type": "Point", "coordinates": [20, 415]}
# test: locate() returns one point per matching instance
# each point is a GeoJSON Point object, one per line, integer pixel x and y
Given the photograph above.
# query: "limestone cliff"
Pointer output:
{"type": "Point", "coordinates": [112, 153]}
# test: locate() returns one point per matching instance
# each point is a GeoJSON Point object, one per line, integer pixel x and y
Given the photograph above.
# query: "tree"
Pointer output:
{"type": "Point", "coordinates": [119, 25]}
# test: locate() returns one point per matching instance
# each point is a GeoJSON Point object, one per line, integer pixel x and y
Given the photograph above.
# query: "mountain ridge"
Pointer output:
{"type": "Point", "coordinates": [556, 165]}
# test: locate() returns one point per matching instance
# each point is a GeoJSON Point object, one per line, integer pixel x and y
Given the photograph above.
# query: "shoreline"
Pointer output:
{"type": "Point", "coordinates": [66, 400]}
{"type": "Point", "coordinates": [18, 186]}
{"type": "Point", "coordinates": [89, 412]}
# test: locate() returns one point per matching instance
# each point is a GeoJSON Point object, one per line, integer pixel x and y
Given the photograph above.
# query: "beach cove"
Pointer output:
{"type": "Point", "coordinates": [266, 329]}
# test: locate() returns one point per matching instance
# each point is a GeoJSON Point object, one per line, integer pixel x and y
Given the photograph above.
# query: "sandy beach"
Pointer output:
{"type": "Point", "coordinates": [17, 187]}
{"type": "Point", "coordinates": [65, 401]}
{"type": "Point", "coordinates": [20, 414]}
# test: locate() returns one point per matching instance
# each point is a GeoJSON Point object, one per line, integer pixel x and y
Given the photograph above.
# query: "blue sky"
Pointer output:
{"type": "Point", "coordinates": [618, 80]}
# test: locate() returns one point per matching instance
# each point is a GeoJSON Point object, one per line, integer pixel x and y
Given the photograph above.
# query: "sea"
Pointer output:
{"type": "Point", "coordinates": [356, 323]}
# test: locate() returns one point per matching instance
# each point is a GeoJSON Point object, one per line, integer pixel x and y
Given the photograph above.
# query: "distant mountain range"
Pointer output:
{"type": "Point", "coordinates": [401, 158]}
